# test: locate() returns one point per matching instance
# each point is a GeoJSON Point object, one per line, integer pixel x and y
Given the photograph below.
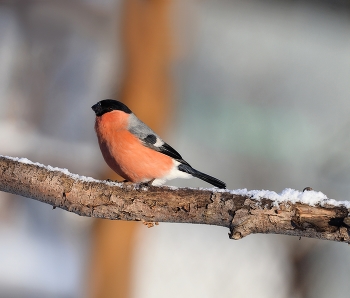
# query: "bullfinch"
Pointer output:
{"type": "Point", "coordinates": [136, 152]}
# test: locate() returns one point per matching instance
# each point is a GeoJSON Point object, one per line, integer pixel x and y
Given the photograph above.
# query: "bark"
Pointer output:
{"type": "Point", "coordinates": [242, 214]}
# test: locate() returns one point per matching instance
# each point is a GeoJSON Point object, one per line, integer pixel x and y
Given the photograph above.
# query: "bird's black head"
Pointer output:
{"type": "Point", "coordinates": [108, 105]}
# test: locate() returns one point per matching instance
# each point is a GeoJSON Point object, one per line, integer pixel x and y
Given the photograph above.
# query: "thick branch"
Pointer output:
{"type": "Point", "coordinates": [243, 212]}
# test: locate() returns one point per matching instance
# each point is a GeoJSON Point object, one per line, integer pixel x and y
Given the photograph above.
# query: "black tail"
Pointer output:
{"type": "Point", "coordinates": [216, 182]}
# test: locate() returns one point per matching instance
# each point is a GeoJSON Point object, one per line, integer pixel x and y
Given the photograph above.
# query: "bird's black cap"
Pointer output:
{"type": "Point", "coordinates": [108, 105]}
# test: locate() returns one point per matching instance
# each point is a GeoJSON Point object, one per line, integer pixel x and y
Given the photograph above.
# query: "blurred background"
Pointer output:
{"type": "Point", "coordinates": [255, 93]}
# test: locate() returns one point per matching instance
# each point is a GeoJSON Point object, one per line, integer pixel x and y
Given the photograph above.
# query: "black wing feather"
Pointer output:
{"type": "Point", "coordinates": [170, 151]}
{"type": "Point", "coordinates": [166, 149]}
{"type": "Point", "coordinates": [150, 139]}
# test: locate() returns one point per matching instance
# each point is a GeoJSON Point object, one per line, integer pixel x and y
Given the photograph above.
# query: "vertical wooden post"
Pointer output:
{"type": "Point", "coordinates": [145, 89]}
{"type": "Point", "coordinates": [147, 48]}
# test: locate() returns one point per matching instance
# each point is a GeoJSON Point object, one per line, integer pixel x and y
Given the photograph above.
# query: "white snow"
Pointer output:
{"type": "Point", "coordinates": [311, 198]}
{"type": "Point", "coordinates": [64, 171]}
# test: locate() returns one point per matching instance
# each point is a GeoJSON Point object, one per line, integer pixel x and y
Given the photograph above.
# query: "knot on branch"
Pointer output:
{"type": "Point", "coordinates": [260, 217]}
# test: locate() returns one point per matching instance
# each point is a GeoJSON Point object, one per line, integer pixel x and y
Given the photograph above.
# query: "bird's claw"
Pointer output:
{"type": "Point", "coordinates": [126, 182]}
{"type": "Point", "coordinates": [110, 180]}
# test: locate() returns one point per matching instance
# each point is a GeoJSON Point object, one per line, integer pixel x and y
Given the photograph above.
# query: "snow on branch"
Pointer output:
{"type": "Point", "coordinates": [304, 214]}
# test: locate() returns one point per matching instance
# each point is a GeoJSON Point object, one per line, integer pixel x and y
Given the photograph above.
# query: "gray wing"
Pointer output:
{"type": "Point", "coordinates": [151, 140]}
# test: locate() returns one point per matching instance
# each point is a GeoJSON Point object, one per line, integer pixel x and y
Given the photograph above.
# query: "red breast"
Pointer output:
{"type": "Point", "coordinates": [125, 154]}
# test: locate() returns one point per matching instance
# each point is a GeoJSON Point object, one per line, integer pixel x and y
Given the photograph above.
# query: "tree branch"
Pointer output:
{"type": "Point", "coordinates": [305, 214]}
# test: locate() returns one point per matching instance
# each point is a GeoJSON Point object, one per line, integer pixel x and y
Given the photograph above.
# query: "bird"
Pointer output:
{"type": "Point", "coordinates": [135, 152]}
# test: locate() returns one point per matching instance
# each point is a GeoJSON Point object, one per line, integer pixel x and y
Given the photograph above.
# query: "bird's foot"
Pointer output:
{"type": "Point", "coordinates": [116, 181]}
{"type": "Point", "coordinates": [147, 184]}
{"type": "Point", "coordinates": [150, 224]}
{"type": "Point", "coordinates": [127, 182]}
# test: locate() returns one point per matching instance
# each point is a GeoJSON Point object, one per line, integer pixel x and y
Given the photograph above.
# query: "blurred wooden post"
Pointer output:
{"type": "Point", "coordinates": [145, 89]}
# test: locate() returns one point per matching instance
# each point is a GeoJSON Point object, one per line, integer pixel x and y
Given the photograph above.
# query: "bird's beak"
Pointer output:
{"type": "Point", "coordinates": [96, 108]}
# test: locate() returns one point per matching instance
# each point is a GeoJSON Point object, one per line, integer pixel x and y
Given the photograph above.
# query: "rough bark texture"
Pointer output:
{"type": "Point", "coordinates": [241, 214]}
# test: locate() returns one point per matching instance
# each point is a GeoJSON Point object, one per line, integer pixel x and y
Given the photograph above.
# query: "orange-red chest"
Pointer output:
{"type": "Point", "coordinates": [125, 153]}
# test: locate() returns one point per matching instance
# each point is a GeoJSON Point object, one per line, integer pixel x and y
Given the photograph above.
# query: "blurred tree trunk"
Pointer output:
{"type": "Point", "coordinates": [145, 88]}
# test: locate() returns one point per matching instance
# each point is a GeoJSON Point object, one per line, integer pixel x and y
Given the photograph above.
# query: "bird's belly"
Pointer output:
{"type": "Point", "coordinates": [128, 157]}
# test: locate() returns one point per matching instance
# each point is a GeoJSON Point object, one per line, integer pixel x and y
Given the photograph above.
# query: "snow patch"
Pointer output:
{"type": "Point", "coordinates": [64, 171]}
{"type": "Point", "coordinates": [311, 198]}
